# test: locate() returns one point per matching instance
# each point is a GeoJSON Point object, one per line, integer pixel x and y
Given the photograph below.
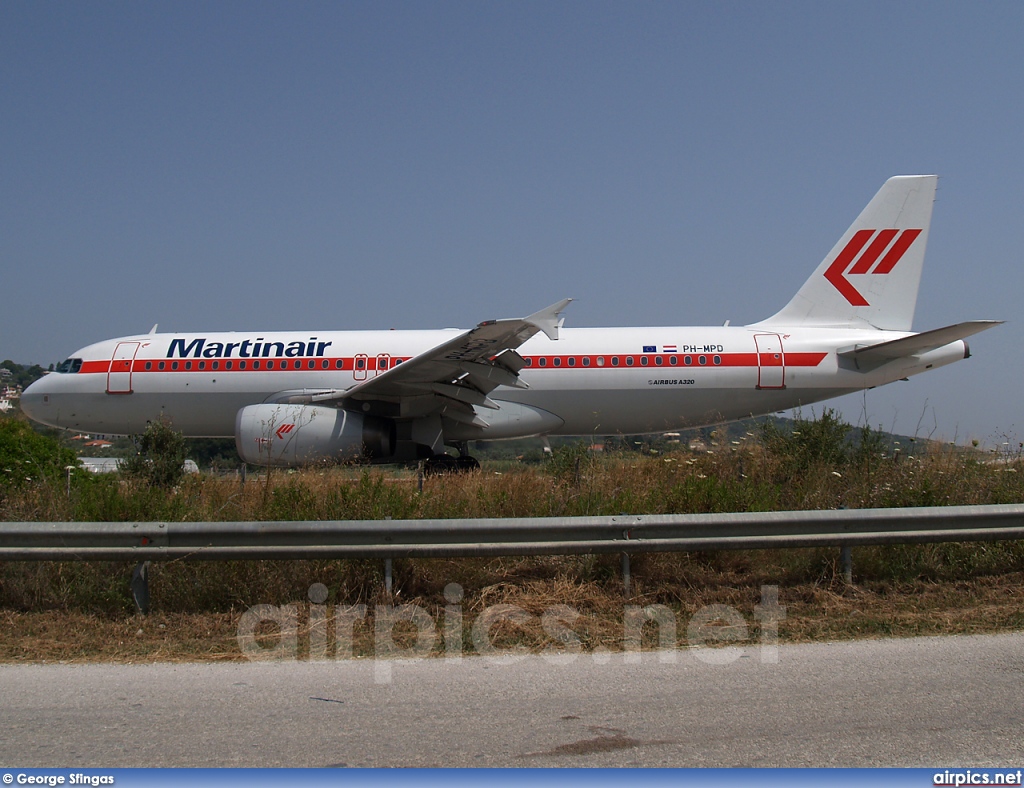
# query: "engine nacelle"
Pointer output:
{"type": "Point", "coordinates": [291, 435]}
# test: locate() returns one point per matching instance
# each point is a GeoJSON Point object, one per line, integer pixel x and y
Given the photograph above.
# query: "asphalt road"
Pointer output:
{"type": "Point", "coordinates": [918, 702]}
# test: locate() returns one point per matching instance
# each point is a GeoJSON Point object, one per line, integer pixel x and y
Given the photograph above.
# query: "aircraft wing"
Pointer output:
{"type": "Point", "coordinates": [918, 343]}
{"type": "Point", "coordinates": [461, 371]}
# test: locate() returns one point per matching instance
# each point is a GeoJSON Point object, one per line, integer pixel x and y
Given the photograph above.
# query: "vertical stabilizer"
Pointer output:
{"type": "Point", "coordinates": [871, 276]}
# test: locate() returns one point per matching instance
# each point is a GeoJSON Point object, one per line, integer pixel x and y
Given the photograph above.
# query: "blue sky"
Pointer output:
{"type": "Point", "coordinates": [343, 165]}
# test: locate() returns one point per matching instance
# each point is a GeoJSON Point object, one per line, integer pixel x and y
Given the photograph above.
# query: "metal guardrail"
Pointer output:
{"type": "Point", "coordinates": [156, 541]}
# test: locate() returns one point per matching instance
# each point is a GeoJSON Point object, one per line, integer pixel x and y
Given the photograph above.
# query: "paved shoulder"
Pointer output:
{"type": "Point", "coordinates": [923, 701]}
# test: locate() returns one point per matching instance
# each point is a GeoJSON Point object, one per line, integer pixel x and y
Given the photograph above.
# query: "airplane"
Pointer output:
{"type": "Point", "coordinates": [294, 398]}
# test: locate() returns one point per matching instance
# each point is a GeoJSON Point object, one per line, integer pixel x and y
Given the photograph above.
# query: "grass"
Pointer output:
{"type": "Point", "coordinates": [814, 611]}
{"type": "Point", "coordinates": [83, 611]}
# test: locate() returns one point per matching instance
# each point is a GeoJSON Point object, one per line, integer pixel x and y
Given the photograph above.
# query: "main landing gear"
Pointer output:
{"type": "Point", "coordinates": [440, 464]}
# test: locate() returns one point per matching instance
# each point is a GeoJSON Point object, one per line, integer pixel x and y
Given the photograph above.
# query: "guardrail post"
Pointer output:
{"type": "Point", "coordinates": [388, 581]}
{"type": "Point", "coordinates": [625, 575]}
{"type": "Point", "coordinates": [140, 586]}
{"type": "Point", "coordinates": [846, 559]}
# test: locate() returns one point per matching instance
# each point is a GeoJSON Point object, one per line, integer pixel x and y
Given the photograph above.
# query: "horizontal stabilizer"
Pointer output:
{"type": "Point", "coordinates": [919, 343]}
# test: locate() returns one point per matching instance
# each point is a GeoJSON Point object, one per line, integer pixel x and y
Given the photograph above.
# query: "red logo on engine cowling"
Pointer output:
{"type": "Point", "coordinates": [283, 430]}
{"type": "Point", "coordinates": [894, 243]}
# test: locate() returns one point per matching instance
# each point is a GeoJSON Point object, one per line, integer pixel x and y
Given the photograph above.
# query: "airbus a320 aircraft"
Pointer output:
{"type": "Point", "coordinates": [292, 398]}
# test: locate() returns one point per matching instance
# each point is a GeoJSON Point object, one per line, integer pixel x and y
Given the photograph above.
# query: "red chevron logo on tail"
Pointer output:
{"type": "Point", "coordinates": [894, 243]}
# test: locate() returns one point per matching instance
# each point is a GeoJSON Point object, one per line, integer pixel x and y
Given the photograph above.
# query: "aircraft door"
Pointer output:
{"type": "Point", "coordinates": [359, 367]}
{"type": "Point", "coordinates": [771, 361]}
{"type": "Point", "coordinates": [119, 374]}
{"type": "Point", "coordinates": [383, 363]}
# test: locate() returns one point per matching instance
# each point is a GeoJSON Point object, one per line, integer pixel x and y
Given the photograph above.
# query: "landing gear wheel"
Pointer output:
{"type": "Point", "coordinates": [465, 463]}
{"type": "Point", "coordinates": [440, 464]}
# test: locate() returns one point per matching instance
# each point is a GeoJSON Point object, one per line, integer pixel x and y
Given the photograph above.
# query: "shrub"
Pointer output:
{"type": "Point", "coordinates": [160, 461]}
{"type": "Point", "coordinates": [28, 458]}
{"type": "Point", "coordinates": [809, 443]}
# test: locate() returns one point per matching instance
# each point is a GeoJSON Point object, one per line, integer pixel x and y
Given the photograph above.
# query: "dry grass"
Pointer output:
{"type": "Point", "coordinates": [63, 636]}
{"type": "Point", "coordinates": [591, 610]}
{"type": "Point", "coordinates": [83, 611]}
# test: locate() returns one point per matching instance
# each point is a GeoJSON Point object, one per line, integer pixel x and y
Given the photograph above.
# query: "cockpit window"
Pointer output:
{"type": "Point", "coordinates": [69, 366]}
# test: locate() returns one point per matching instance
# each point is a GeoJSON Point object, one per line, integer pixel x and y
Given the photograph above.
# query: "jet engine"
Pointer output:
{"type": "Point", "coordinates": [290, 435]}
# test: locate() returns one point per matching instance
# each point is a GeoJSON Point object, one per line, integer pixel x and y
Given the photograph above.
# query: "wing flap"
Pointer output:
{"type": "Point", "coordinates": [466, 394]}
{"type": "Point", "coordinates": [487, 374]}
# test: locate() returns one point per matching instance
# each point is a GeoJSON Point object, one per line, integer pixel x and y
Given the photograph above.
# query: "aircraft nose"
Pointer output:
{"type": "Point", "coordinates": [34, 401]}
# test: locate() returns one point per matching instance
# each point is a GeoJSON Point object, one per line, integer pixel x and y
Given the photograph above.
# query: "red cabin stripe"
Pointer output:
{"type": "Point", "coordinates": [553, 362]}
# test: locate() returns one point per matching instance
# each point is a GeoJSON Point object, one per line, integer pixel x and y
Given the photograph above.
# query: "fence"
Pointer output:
{"type": "Point", "coordinates": [389, 539]}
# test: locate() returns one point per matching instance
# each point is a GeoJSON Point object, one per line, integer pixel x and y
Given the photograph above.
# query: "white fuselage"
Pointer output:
{"type": "Point", "coordinates": [293, 398]}
{"type": "Point", "coordinates": [591, 380]}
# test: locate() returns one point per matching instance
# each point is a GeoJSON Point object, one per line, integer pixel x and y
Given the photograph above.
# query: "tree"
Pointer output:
{"type": "Point", "coordinates": [22, 375]}
{"type": "Point", "coordinates": [161, 457]}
